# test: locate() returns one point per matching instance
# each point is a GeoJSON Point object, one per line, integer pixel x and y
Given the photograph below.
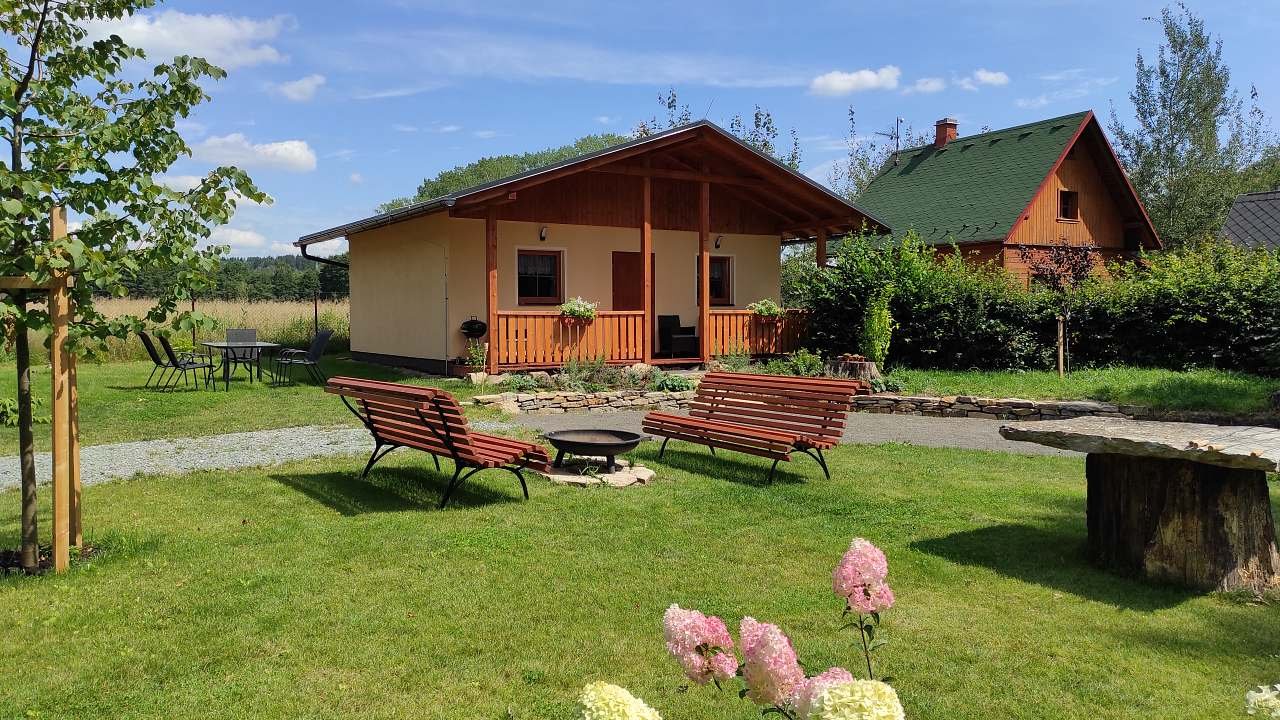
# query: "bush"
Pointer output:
{"type": "Point", "coordinates": [669, 382]}
{"type": "Point", "coordinates": [521, 383]}
{"type": "Point", "coordinates": [877, 327]}
{"type": "Point", "coordinates": [802, 363]}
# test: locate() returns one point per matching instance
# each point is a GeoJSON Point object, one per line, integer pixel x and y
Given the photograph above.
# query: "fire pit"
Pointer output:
{"type": "Point", "coordinates": [594, 443]}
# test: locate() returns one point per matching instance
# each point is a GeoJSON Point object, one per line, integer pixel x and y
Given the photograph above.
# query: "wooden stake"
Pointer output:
{"type": "Point", "coordinates": [59, 316]}
{"type": "Point", "coordinates": [76, 528]}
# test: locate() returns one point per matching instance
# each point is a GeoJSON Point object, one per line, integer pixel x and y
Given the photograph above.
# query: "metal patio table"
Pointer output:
{"type": "Point", "coordinates": [253, 348]}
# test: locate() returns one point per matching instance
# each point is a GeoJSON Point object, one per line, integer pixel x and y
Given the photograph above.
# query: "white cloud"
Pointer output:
{"type": "Point", "coordinates": [224, 40]}
{"type": "Point", "coordinates": [1071, 84]}
{"type": "Point", "coordinates": [302, 89]}
{"type": "Point", "coordinates": [607, 119]}
{"type": "Point", "coordinates": [398, 92]}
{"type": "Point", "coordinates": [239, 240]}
{"type": "Point", "coordinates": [355, 178]}
{"type": "Point", "coordinates": [982, 76]}
{"type": "Point", "coordinates": [342, 154]}
{"type": "Point", "coordinates": [926, 85]}
{"type": "Point", "coordinates": [485, 134]}
{"type": "Point", "coordinates": [191, 127]}
{"type": "Point", "coordinates": [838, 82]}
{"type": "Point", "coordinates": [401, 127]}
{"type": "Point", "coordinates": [179, 183]}
{"type": "Point", "coordinates": [459, 53]}
{"type": "Point", "coordinates": [448, 128]}
{"type": "Point", "coordinates": [235, 149]}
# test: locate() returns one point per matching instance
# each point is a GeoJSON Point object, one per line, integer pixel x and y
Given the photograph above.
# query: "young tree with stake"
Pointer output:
{"type": "Point", "coordinates": [84, 135]}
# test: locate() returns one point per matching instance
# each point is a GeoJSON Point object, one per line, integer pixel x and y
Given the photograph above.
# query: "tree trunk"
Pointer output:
{"type": "Point", "coordinates": [26, 441]}
{"type": "Point", "coordinates": [1183, 522]}
{"type": "Point", "coordinates": [865, 370]}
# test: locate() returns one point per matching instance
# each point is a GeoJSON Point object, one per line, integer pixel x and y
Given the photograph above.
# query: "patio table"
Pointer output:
{"type": "Point", "coordinates": [254, 349]}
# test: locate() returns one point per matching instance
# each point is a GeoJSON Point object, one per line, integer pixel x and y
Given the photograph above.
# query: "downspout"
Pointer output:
{"type": "Point", "coordinates": [324, 260]}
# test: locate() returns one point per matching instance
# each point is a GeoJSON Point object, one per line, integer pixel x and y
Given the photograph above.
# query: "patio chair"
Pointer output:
{"type": "Point", "coordinates": [675, 340]}
{"type": "Point", "coordinates": [248, 358]}
{"type": "Point", "coordinates": [185, 363]}
{"type": "Point", "coordinates": [160, 364]}
{"type": "Point", "coordinates": [308, 359]}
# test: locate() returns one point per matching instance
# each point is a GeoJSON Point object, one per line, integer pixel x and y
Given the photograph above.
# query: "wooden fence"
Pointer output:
{"type": "Point", "coordinates": [744, 331]}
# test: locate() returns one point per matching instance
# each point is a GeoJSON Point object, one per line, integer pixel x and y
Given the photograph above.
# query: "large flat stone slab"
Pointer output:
{"type": "Point", "coordinates": [1244, 447]}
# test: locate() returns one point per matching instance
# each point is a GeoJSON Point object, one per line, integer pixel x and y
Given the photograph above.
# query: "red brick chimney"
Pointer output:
{"type": "Point", "coordinates": [944, 131]}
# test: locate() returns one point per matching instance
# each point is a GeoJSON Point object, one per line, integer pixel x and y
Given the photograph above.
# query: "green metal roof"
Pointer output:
{"type": "Point", "coordinates": [974, 188]}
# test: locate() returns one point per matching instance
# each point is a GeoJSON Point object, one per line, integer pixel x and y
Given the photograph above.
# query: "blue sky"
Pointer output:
{"type": "Point", "coordinates": [336, 107]}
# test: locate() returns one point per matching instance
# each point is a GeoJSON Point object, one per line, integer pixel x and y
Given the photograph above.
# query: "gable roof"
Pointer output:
{"type": "Point", "coordinates": [1254, 220]}
{"type": "Point", "coordinates": [807, 203]}
{"type": "Point", "coordinates": [977, 187]}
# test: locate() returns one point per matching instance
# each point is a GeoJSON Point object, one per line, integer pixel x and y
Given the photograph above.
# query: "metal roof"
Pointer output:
{"type": "Point", "coordinates": [1254, 220]}
{"type": "Point", "coordinates": [432, 205]}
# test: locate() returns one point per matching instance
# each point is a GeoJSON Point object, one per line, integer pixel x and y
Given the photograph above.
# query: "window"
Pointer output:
{"type": "Point", "coordinates": [1068, 205]}
{"type": "Point", "coordinates": [539, 275]}
{"type": "Point", "coordinates": [721, 282]}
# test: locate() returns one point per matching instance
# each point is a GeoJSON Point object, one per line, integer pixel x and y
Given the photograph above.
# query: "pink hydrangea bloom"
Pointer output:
{"type": "Point", "coordinates": [810, 689]}
{"type": "Point", "coordinates": [859, 578]}
{"type": "Point", "coordinates": [701, 644]}
{"type": "Point", "coordinates": [769, 665]}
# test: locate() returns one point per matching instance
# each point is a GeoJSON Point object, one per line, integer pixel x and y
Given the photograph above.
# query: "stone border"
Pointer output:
{"type": "Point", "coordinates": [554, 402]}
{"type": "Point", "coordinates": [953, 406]}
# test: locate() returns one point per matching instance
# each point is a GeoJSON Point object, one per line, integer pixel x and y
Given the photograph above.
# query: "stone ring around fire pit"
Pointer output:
{"type": "Point", "coordinates": [594, 443]}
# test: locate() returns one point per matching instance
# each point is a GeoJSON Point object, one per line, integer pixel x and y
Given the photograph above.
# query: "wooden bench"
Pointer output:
{"type": "Point", "coordinates": [431, 420]}
{"type": "Point", "coordinates": [766, 415]}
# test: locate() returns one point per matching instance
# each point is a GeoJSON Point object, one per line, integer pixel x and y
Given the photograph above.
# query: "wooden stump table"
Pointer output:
{"type": "Point", "coordinates": [1176, 502]}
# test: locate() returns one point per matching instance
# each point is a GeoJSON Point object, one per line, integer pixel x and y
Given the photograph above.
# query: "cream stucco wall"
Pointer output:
{"type": "Point", "coordinates": [398, 276]}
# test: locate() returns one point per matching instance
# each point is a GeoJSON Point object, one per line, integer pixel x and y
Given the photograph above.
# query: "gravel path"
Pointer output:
{"type": "Point", "coordinates": [100, 463]}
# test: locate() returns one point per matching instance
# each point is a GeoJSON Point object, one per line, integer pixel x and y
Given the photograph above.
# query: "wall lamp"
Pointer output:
{"type": "Point", "coordinates": [542, 234]}
{"type": "Point", "coordinates": [718, 239]}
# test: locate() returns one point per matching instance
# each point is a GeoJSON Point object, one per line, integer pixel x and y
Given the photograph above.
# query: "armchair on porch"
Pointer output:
{"type": "Point", "coordinates": [675, 340]}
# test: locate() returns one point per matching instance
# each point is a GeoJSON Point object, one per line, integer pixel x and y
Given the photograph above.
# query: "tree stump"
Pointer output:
{"type": "Point", "coordinates": [1190, 523]}
{"type": "Point", "coordinates": [856, 369]}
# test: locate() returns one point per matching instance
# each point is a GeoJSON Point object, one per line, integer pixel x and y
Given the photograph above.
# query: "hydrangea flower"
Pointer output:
{"type": "Point", "coordinates": [602, 701]}
{"type": "Point", "coordinates": [1264, 701]}
{"type": "Point", "coordinates": [701, 644]}
{"type": "Point", "coordinates": [807, 692]}
{"type": "Point", "coordinates": [769, 665]}
{"type": "Point", "coordinates": [857, 700]}
{"type": "Point", "coordinates": [859, 578]}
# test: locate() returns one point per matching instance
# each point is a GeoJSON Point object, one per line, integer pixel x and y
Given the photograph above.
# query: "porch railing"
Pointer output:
{"type": "Point", "coordinates": [545, 339]}
{"type": "Point", "coordinates": [744, 331]}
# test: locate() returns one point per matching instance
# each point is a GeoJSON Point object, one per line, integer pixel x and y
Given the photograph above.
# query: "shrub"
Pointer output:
{"type": "Point", "coordinates": [588, 376]}
{"type": "Point", "coordinates": [736, 360]}
{"type": "Point", "coordinates": [669, 382]}
{"type": "Point", "coordinates": [477, 353]}
{"type": "Point", "coordinates": [803, 363]}
{"type": "Point", "coordinates": [877, 327]}
{"type": "Point", "coordinates": [521, 382]}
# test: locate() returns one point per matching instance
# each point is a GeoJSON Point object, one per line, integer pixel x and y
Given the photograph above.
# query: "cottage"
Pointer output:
{"type": "Point", "coordinates": [1045, 183]}
{"type": "Point", "coordinates": [708, 211]}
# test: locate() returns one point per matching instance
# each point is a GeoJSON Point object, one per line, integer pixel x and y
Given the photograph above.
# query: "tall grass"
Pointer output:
{"type": "Point", "coordinates": [287, 323]}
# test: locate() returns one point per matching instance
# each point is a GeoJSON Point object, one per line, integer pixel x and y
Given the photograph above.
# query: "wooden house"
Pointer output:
{"type": "Point", "coordinates": [1045, 183]}
{"type": "Point", "coordinates": [708, 211]}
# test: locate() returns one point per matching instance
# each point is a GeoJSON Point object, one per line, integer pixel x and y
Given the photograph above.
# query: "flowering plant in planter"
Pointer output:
{"type": "Point", "coordinates": [578, 309]}
{"type": "Point", "coordinates": [772, 676]}
{"type": "Point", "coordinates": [767, 308]}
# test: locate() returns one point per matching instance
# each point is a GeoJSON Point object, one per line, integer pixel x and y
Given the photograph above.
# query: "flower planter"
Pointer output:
{"type": "Point", "coordinates": [461, 370]}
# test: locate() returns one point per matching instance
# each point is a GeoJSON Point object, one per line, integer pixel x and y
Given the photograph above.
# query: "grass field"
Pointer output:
{"type": "Point", "coordinates": [1215, 390]}
{"type": "Point", "coordinates": [300, 592]}
{"type": "Point", "coordinates": [114, 407]}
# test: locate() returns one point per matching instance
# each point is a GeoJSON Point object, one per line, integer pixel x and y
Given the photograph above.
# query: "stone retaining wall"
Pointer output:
{"type": "Point", "coordinates": [552, 402]}
{"type": "Point", "coordinates": [994, 408]}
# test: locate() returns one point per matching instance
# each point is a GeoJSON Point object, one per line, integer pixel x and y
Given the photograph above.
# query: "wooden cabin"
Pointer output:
{"type": "Point", "coordinates": [708, 211]}
{"type": "Point", "coordinates": [1045, 183]}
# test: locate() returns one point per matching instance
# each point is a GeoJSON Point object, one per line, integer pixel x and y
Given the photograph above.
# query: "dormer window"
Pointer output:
{"type": "Point", "coordinates": [1068, 205]}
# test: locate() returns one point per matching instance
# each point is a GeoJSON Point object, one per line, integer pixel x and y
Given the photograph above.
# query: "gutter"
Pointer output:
{"type": "Point", "coordinates": [326, 261]}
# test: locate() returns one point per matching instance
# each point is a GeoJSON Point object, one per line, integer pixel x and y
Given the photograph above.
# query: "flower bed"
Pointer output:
{"type": "Point", "coordinates": [561, 401]}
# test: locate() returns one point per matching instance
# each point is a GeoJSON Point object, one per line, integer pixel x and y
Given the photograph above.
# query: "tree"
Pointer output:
{"type": "Point", "coordinates": [867, 157]}
{"type": "Point", "coordinates": [83, 137]}
{"type": "Point", "coordinates": [334, 278]}
{"type": "Point", "coordinates": [761, 135]}
{"type": "Point", "coordinates": [1060, 269]}
{"type": "Point", "coordinates": [500, 166]}
{"type": "Point", "coordinates": [1193, 135]}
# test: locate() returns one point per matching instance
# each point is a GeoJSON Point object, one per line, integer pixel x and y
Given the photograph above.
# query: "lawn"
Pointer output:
{"type": "Point", "coordinates": [300, 592]}
{"type": "Point", "coordinates": [114, 407]}
{"type": "Point", "coordinates": [1215, 390]}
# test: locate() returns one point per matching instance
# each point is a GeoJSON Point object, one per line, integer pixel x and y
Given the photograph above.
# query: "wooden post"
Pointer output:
{"type": "Point", "coordinates": [822, 248]}
{"type": "Point", "coordinates": [491, 283]}
{"type": "Point", "coordinates": [646, 264]}
{"type": "Point", "coordinates": [76, 529]}
{"type": "Point", "coordinates": [59, 315]}
{"type": "Point", "coordinates": [704, 271]}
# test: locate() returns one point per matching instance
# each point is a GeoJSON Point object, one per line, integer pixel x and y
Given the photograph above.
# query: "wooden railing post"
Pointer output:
{"type": "Point", "coordinates": [704, 271]}
{"type": "Point", "coordinates": [646, 264]}
{"type": "Point", "coordinates": [491, 285]}
{"type": "Point", "coordinates": [821, 249]}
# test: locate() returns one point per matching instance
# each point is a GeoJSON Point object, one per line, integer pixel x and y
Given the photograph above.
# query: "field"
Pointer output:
{"type": "Point", "coordinates": [1214, 390]}
{"type": "Point", "coordinates": [300, 592]}
{"type": "Point", "coordinates": [287, 323]}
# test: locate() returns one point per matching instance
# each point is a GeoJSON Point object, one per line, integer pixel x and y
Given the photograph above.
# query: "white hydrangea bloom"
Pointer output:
{"type": "Point", "coordinates": [857, 700]}
{"type": "Point", "coordinates": [602, 701]}
{"type": "Point", "coordinates": [1265, 701]}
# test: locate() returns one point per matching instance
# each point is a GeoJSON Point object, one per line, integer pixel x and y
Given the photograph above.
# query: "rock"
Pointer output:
{"type": "Point", "coordinates": [640, 370]}
{"type": "Point", "coordinates": [489, 399]}
{"type": "Point", "coordinates": [509, 407]}
{"type": "Point", "coordinates": [542, 377]}
{"type": "Point", "coordinates": [477, 378]}
{"type": "Point", "coordinates": [496, 379]}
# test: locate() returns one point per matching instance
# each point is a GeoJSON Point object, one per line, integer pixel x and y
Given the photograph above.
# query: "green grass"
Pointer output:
{"type": "Point", "coordinates": [114, 407]}
{"type": "Point", "coordinates": [1214, 390]}
{"type": "Point", "coordinates": [300, 592]}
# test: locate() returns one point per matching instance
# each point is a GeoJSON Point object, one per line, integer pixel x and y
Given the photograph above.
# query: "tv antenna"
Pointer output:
{"type": "Point", "coordinates": [895, 134]}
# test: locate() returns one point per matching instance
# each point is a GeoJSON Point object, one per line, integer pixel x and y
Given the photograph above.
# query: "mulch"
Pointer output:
{"type": "Point", "coordinates": [11, 560]}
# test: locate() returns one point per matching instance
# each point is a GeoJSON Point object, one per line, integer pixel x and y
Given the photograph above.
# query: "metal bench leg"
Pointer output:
{"type": "Point", "coordinates": [772, 470]}
{"type": "Point", "coordinates": [456, 482]}
{"type": "Point", "coordinates": [712, 448]}
{"type": "Point", "coordinates": [816, 454]}
{"type": "Point", "coordinates": [663, 448]}
{"type": "Point", "coordinates": [377, 454]}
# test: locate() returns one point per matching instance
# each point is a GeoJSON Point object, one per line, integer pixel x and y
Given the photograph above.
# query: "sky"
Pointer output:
{"type": "Point", "coordinates": [335, 107]}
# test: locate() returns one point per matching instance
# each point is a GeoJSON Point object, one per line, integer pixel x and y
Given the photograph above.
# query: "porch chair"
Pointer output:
{"type": "Point", "coordinates": [185, 363]}
{"type": "Point", "coordinates": [675, 340]}
{"type": "Point", "coordinates": [248, 358]}
{"type": "Point", "coordinates": [160, 364]}
{"type": "Point", "coordinates": [308, 359]}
